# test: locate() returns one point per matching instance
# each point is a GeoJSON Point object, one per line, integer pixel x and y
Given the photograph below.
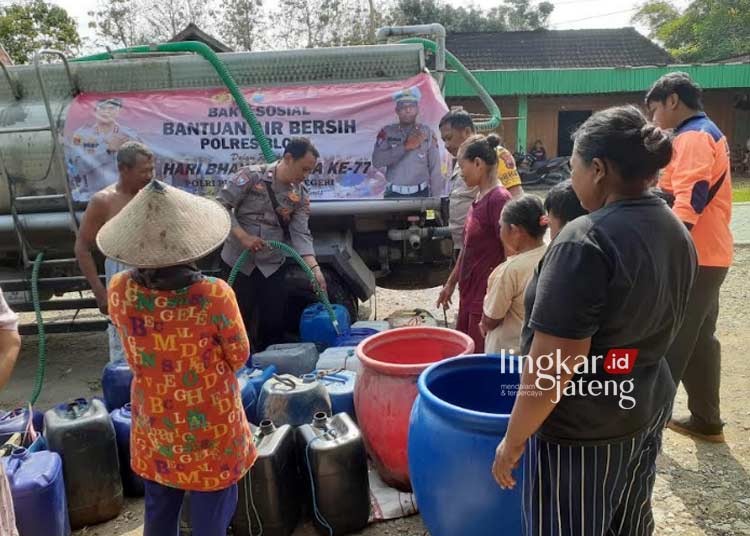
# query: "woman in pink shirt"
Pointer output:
{"type": "Point", "coordinates": [483, 250]}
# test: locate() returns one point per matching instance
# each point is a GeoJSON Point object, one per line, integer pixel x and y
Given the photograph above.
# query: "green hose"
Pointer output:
{"type": "Point", "coordinates": [485, 97]}
{"type": "Point", "coordinates": [221, 69]}
{"type": "Point", "coordinates": [322, 296]}
{"type": "Point", "coordinates": [39, 381]}
{"type": "Point", "coordinates": [247, 113]}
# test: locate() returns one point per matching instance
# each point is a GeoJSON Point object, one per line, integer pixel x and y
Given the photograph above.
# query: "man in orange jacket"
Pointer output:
{"type": "Point", "coordinates": [700, 180]}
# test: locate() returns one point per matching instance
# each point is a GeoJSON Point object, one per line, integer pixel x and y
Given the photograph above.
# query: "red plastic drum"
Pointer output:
{"type": "Point", "coordinates": [387, 387]}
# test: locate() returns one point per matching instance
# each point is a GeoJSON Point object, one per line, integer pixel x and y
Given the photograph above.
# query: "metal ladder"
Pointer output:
{"type": "Point", "coordinates": [57, 152]}
{"type": "Point", "coordinates": [17, 202]}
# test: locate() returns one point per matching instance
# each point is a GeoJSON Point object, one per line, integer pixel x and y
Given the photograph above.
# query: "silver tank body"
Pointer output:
{"type": "Point", "coordinates": [29, 158]}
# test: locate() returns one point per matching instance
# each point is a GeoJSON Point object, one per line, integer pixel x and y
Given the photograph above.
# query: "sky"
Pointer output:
{"type": "Point", "coordinates": [568, 14]}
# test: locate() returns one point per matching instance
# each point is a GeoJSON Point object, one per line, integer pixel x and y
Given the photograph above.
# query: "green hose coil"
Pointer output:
{"type": "Point", "coordinates": [450, 59]}
{"type": "Point", "coordinates": [290, 251]}
{"type": "Point", "coordinates": [39, 381]}
{"type": "Point", "coordinates": [221, 69]}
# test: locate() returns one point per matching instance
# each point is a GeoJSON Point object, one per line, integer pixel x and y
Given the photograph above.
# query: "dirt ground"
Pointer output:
{"type": "Point", "coordinates": [701, 489]}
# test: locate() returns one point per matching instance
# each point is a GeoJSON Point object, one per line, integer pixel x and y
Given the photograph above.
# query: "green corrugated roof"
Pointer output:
{"type": "Point", "coordinates": [586, 81]}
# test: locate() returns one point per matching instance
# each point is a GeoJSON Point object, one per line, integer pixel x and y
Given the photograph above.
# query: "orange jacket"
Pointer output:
{"type": "Point", "coordinates": [702, 198]}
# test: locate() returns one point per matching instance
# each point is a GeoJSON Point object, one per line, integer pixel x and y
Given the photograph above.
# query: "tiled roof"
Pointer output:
{"type": "Point", "coordinates": [742, 58]}
{"type": "Point", "coordinates": [556, 49]}
{"type": "Point", "coordinates": [193, 33]}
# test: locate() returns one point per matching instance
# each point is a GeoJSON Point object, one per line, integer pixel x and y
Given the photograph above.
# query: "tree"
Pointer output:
{"type": "Point", "coordinates": [323, 23]}
{"type": "Point", "coordinates": [510, 15]}
{"type": "Point", "coordinates": [523, 16]}
{"type": "Point", "coordinates": [243, 25]}
{"type": "Point", "coordinates": [30, 26]}
{"type": "Point", "coordinates": [706, 30]}
{"type": "Point", "coordinates": [134, 22]}
{"type": "Point", "coordinates": [117, 22]}
{"type": "Point", "coordinates": [166, 18]}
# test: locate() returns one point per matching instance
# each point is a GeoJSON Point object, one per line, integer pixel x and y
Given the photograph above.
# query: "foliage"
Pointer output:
{"type": "Point", "coordinates": [509, 15]}
{"type": "Point", "coordinates": [135, 22]}
{"type": "Point", "coordinates": [323, 23]}
{"type": "Point", "coordinates": [706, 30]}
{"type": "Point", "coordinates": [26, 27]}
{"type": "Point", "coordinates": [243, 24]}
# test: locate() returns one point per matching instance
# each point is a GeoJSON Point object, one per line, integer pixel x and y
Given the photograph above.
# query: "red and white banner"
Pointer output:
{"type": "Point", "coordinates": [200, 139]}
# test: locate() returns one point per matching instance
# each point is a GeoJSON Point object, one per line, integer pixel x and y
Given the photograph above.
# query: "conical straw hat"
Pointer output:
{"type": "Point", "coordinates": [164, 226]}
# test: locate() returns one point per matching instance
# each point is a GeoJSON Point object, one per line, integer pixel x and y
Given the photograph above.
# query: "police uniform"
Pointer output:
{"type": "Point", "coordinates": [94, 165]}
{"type": "Point", "coordinates": [260, 284]}
{"type": "Point", "coordinates": [415, 173]}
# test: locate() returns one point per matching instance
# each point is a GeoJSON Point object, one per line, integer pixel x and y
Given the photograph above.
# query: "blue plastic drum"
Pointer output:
{"type": "Point", "coordinates": [457, 421]}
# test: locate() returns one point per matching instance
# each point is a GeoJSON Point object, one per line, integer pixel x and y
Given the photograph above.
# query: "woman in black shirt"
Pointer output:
{"type": "Point", "coordinates": [596, 389]}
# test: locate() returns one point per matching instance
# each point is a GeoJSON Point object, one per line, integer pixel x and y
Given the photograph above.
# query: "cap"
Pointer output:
{"type": "Point", "coordinates": [410, 95]}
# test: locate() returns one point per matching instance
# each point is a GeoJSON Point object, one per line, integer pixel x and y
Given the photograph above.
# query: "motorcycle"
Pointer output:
{"type": "Point", "coordinates": [542, 173]}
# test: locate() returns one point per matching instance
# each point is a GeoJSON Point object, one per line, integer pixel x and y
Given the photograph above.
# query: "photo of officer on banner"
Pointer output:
{"type": "Point", "coordinates": [408, 153]}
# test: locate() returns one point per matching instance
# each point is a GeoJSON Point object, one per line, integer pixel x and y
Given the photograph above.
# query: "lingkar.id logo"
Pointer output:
{"type": "Point", "coordinates": [585, 371]}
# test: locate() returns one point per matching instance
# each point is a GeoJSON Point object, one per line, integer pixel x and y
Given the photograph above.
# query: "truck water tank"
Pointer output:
{"type": "Point", "coordinates": [295, 358]}
{"type": "Point", "coordinates": [81, 432]}
{"type": "Point", "coordinates": [335, 464]}
{"type": "Point", "coordinates": [38, 490]}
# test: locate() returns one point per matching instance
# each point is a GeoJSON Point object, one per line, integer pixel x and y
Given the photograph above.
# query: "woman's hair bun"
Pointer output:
{"type": "Point", "coordinates": [493, 140]}
{"type": "Point", "coordinates": [657, 142]}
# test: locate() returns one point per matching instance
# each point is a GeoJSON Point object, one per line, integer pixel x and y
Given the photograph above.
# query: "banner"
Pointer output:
{"type": "Point", "coordinates": [200, 138]}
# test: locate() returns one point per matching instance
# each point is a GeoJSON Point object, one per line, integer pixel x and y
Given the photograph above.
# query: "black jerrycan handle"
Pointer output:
{"type": "Point", "coordinates": [321, 422]}
{"type": "Point", "coordinates": [77, 407]}
{"type": "Point", "coordinates": [285, 381]}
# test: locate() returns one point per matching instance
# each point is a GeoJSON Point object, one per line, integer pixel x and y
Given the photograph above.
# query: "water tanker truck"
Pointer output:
{"type": "Point", "coordinates": [204, 116]}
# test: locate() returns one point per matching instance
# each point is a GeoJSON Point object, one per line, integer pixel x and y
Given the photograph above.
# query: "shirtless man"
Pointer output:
{"type": "Point", "coordinates": [135, 165]}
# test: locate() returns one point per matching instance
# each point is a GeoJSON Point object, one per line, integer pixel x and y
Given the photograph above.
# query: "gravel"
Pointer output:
{"type": "Point", "coordinates": [701, 489]}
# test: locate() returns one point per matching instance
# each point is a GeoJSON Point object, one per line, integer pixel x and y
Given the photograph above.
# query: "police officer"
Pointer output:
{"type": "Point", "coordinates": [94, 149]}
{"type": "Point", "coordinates": [409, 152]}
{"type": "Point", "coordinates": [269, 202]}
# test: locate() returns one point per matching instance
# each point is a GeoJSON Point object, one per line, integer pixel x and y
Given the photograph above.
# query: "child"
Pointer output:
{"type": "Point", "coordinates": [562, 207]}
{"type": "Point", "coordinates": [522, 229]}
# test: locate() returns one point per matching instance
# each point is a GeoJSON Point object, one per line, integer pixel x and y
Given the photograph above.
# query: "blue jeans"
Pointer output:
{"type": "Point", "coordinates": [210, 512]}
